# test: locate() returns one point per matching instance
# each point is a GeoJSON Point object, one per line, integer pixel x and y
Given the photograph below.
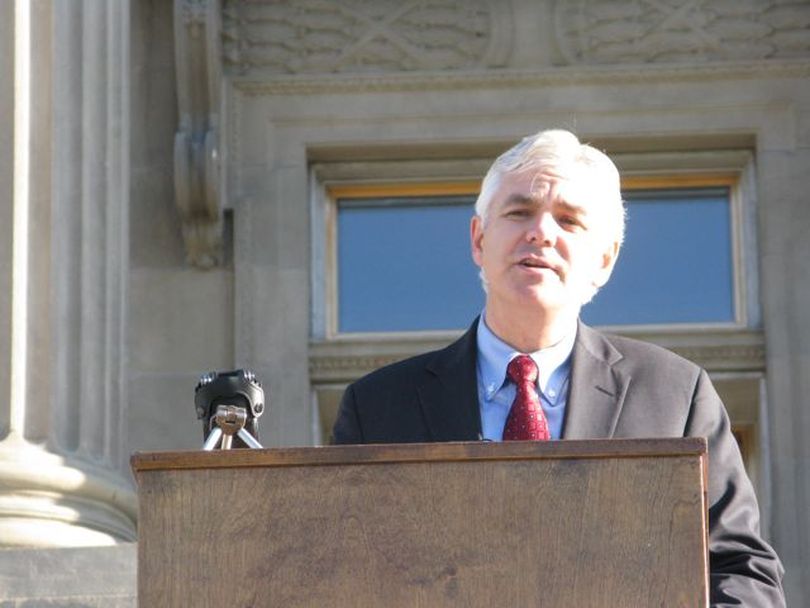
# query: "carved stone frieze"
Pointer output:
{"type": "Point", "coordinates": [653, 31]}
{"type": "Point", "coordinates": [197, 168]}
{"type": "Point", "coordinates": [347, 368]}
{"type": "Point", "coordinates": [362, 36]}
{"type": "Point", "coordinates": [724, 357]}
{"type": "Point", "coordinates": [736, 352]}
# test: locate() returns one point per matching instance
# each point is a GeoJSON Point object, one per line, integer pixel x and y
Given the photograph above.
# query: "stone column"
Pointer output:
{"type": "Point", "coordinates": [64, 74]}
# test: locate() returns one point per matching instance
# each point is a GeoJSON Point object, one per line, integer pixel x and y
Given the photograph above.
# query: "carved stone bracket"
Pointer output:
{"type": "Point", "coordinates": [197, 167]}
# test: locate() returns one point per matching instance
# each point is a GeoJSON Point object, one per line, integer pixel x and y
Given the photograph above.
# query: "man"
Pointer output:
{"type": "Point", "coordinates": [548, 226]}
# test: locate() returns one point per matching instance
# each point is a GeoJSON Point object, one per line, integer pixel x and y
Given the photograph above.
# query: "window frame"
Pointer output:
{"type": "Point", "coordinates": [325, 296]}
{"type": "Point", "coordinates": [369, 177]}
{"type": "Point", "coordinates": [673, 181]}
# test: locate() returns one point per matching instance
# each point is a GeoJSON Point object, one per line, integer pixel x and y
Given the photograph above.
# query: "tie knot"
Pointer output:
{"type": "Point", "coordinates": [522, 369]}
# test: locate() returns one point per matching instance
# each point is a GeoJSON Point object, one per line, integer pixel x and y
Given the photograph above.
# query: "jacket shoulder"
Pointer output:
{"type": "Point", "coordinates": [639, 355]}
{"type": "Point", "coordinates": [413, 369]}
{"type": "Point", "coordinates": [406, 371]}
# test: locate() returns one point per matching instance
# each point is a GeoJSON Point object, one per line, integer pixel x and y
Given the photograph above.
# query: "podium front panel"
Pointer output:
{"type": "Point", "coordinates": [560, 524]}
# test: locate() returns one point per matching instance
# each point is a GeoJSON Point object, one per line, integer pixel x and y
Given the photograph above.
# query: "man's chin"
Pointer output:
{"type": "Point", "coordinates": [543, 298]}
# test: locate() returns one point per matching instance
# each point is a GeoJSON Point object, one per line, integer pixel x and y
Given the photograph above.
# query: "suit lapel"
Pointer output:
{"type": "Point", "coordinates": [449, 395]}
{"type": "Point", "coordinates": [597, 389]}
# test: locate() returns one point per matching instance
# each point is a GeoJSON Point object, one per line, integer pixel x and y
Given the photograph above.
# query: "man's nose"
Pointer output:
{"type": "Point", "coordinates": [543, 230]}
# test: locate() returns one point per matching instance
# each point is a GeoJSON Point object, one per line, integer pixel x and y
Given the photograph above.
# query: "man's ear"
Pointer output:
{"type": "Point", "coordinates": [476, 239]}
{"type": "Point", "coordinates": [607, 262]}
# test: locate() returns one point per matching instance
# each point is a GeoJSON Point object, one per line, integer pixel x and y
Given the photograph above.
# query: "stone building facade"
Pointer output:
{"type": "Point", "coordinates": [169, 179]}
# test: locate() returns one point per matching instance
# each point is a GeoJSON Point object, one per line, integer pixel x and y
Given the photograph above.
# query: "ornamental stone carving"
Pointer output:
{"type": "Point", "coordinates": [360, 36]}
{"type": "Point", "coordinates": [197, 167]}
{"type": "Point", "coordinates": [641, 31]}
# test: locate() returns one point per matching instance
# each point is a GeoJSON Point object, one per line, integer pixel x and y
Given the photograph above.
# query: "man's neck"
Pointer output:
{"type": "Point", "coordinates": [530, 331]}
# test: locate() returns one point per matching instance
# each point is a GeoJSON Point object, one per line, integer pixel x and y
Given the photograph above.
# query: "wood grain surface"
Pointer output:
{"type": "Point", "coordinates": [585, 523]}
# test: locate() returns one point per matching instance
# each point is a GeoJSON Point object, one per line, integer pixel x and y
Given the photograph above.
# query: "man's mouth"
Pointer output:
{"type": "Point", "coordinates": [537, 264]}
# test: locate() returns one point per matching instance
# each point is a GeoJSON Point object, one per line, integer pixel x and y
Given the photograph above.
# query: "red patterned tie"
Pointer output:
{"type": "Point", "coordinates": [526, 420]}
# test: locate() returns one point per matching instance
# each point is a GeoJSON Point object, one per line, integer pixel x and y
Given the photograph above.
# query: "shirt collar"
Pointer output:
{"type": "Point", "coordinates": [494, 356]}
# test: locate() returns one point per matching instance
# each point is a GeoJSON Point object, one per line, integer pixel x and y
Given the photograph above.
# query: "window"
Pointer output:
{"type": "Point", "coordinates": [403, 261]}
{"type": "Point", "coordinates": [402, 258]}
{"type": "Point", "coordinates": [677, 265]}
{"type": "Point", "coordinates": [396, 260]}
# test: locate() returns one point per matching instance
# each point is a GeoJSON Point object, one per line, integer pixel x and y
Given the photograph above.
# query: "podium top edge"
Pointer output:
{"type": "Point", "coordinates": [418, 452]}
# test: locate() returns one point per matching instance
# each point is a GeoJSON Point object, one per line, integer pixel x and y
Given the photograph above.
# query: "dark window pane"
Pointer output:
{"type": "Point", "coordinates": [676, 263]}
{"type": "Point", "coordinates": [404, 264]}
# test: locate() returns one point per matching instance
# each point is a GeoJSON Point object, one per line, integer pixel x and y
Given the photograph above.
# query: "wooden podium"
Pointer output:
{"type": "Point", "coordinates": [560, 524]}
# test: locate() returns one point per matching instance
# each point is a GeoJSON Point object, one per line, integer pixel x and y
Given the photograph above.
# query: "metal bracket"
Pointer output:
{"type": "Point", "coordinates": [229, 420]}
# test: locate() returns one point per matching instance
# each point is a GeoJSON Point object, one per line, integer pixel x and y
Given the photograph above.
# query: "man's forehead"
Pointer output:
{"type": "Point", "coordinates": [539, 186]}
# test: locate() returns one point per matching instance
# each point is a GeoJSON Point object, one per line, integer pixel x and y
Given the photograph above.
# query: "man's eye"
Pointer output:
{"type": "Point", "coordinates": [570, 221]}
{"type": "Point", "coordinates": [517, 213]}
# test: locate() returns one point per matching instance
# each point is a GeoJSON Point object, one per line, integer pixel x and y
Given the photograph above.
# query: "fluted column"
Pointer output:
{"type": "Point", "coordinates": [64, 76]}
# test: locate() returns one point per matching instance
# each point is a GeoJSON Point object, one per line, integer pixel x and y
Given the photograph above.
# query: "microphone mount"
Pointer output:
{"type": "Point", "coordinates": [229, 404]}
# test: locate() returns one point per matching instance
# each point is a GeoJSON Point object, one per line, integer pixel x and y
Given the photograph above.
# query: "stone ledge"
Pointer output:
{"type": "Point", "coordinates": [257, 83]}
{"type": "Point", "coordinates": [74, 577]}
{"type": "Point", "coordinates": [339, 362]}
{"type": "Point", "coordinates": [74, 602]}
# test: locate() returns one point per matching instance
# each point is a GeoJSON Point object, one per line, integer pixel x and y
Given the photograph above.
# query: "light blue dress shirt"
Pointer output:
{"type": "Point", "coordinates": [496, 392]}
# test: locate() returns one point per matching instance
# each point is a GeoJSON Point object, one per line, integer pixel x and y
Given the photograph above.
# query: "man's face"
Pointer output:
{"type": "Point", "coordinates": [545, 245]}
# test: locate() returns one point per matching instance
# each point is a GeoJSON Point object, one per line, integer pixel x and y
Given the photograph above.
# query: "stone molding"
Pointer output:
{"type": "Point", "coordinates": [197, 165]}
{"type": "Point", "coordinates": [651, 31]}
{"type": "Point", "coordinates": [254, 85]}
{"type": "Point", "coordinates": [337, 362]}
{"type": "Point", "coordinates": [351, 36]}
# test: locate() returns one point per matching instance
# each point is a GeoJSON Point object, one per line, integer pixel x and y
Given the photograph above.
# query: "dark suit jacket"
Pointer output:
{"type": "Point", "coordinates": [619, 388]}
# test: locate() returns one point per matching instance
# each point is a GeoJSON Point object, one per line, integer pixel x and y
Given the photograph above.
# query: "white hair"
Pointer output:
{"type": "Point", "coordinates": [561, 153]}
